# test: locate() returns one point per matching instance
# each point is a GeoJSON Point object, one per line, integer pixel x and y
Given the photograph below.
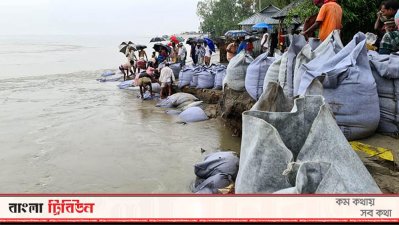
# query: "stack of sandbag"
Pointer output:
{"type": "Point", "coordinates": [385, 69]}
{"type": "Point", "coordinates": [176, 67]}
{"type": "Point", "coordinates": [349, 87]}
{"type": "Point", "coordinates": [175, 100]}
{"type": "Point", "coordinates": [217, 171]}
{"type": "Point", "coordinates": [185, 76]}
{"type": "Point", "coordinates": [256, 73]}
{"type": "Point", "coordinates": [220, 73]}
{"type": "Point", "coordinates": [299, 152]}
{"type": "Point", "coordinates": [236, 71]}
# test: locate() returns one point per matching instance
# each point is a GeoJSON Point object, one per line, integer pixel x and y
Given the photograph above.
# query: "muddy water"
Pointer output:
{"type": "Point", "coordinates": [71, 134]}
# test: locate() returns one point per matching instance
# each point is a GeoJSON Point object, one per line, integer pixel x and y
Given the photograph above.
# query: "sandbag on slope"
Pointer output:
{"type": "Point", "coordinates": [385, 71]}
{"type": "Point", "coordinates": [349, 88]}
{"type": "Point", "coordinates": [256, 73]}
{"type": "Point", "coordinates": [193, 114]}
{"type": "Point", "coordinates": [217, 162]}
{"type": "Point", "coordinates": [301, 152]}
{"type": "Point", "coordinates": [236, 71]}
{"type": "Point", "coordinates": [175, 100]}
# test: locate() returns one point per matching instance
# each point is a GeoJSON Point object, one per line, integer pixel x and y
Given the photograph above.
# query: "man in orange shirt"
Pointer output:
{"type": "Point", "coordinates": [328, 19]}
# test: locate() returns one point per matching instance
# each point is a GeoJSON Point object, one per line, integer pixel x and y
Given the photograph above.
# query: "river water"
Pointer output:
{"type": "Point", "coordinates": [65, 132]}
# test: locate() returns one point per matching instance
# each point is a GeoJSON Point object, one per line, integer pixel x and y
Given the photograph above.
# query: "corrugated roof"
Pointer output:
{"type": "Point", "coordinates": [284, 12]}
{"type": "Point", "coordinates": [263, 16]}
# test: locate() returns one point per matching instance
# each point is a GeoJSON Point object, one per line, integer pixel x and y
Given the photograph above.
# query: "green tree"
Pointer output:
{"type": "Point", "coordinates": [219, 16]}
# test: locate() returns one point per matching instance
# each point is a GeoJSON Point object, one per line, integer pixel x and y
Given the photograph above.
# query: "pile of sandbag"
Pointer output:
{"type": "Point", "coordinates": [299, 152]}
{"type": "Point", "coordinates": [385, 69]}
{"type": "Point", "coordinates": [217, 171]}
{"type": "Point", "coordinates": [348, 83]}
{"type": "Point", "coordinates": [349, 87]}
{"type": "Point", "coordinates": [202, 77]}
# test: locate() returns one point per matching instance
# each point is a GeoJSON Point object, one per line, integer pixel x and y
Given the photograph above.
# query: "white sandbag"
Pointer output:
{"type": "Point", "coordinates": [217, 162]}
{"type": "Point", "coordinates": [328, 48]}
{"type": "Point", "coordinates": [256, 73]}
{"type": "Point", "coordinates": [220, 73]}
{"type": "Point", "coordinates": [299, 152]}
{"type": "Point", "coordinates": [193, 114]}
{"type": "Point", "coordinates": [176, 67]}
{"type": "Point", "coordinates": [126, 84]}
{"type": "Point", "coordinates": [185, 76]}
{"type": "Point", "coordinates": [108, 73]}
{"type": "Point", "coordinates": [112, 78]}
{"type": "Point", "coordinates": [156, 87]}
{"type": "Point", "coordinates": [236, 71]}
{"type": "Point", "coordinates": [192, 104]}
{"type": "Point", "coordinates": [385, 70]}
{"type": "Point", "coordinates": [349, 88]}
{"type": "Point", "coordinates": [272, 74]}
{"type": "Point", "coordinates": [286, 74]}
{"type": "Point", "coordinates": [175, 100]}
{"type": "Point", "coordinates": [206, 79]}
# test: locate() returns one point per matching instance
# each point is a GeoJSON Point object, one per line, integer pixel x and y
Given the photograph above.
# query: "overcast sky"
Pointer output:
{"type": "Point", "coordinates": [146, 17]}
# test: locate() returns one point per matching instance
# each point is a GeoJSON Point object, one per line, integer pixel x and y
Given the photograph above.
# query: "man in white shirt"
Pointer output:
{"type": "Point", "coordinates": [265, 41]}
{"type": "Point", "coordinates": [208, 55]}
{"type": "Point", "coordinates": [166, 78]}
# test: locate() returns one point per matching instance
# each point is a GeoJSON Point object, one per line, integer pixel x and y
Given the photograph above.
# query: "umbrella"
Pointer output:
{"type": "Point", "coordinates": [124, 46]}
{"type": "Point", "coordinates": [157, 39]}
{"type": "Point", "coordinates": [141, 47]}
{"type": "Point", "coordinates": [261, 26]}
{"type": "Point", "coordinates": [174, 39]}
{"type": "Point", "coordinates": [210, 44]}
{"type": "Point", "coordinates": [159, 46]}
{"type": "Point", "coordinates": [190, 40]}
{"type": "Point", "coordinates": [236, 33]}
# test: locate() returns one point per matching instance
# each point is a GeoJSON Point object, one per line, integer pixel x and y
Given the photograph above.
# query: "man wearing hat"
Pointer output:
{"type": "Point", "coordinates": [390, 40]}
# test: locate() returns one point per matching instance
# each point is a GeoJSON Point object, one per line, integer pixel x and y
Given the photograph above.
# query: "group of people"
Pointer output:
{"type": "Point", "coordinates": [242, 44]}
{"type": "Point", "coordinates": [155, 69]}
{"type": "Point", "coordinates": [200, 53]}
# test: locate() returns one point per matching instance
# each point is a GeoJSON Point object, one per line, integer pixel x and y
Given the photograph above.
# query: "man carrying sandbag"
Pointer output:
{"type": "Point", "coordinates": [328, 19]}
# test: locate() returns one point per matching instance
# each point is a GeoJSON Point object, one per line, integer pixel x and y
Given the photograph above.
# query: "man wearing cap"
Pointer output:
{"type": "Point", "coordinates": [166, 78]}
{"type": "Point", "coordinates": [328, 19]}
{"type": "Point", "coordinates": [390, 40]}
